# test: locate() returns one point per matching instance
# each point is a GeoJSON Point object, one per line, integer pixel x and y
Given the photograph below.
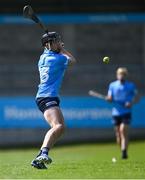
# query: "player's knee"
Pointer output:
{"type": "Point", "coordinates": [60, 128]}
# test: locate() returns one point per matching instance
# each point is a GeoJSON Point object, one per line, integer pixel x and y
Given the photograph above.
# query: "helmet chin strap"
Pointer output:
{"type": "Point", "coordinates": [48, 46]}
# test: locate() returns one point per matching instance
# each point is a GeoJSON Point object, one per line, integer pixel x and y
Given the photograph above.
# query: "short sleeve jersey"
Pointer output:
{"type": "Point", "coordinates": [52, 67]}
{"type": "Point", "coordinates": [121, 93]}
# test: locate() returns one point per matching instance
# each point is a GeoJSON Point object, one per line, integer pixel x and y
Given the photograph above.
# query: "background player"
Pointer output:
{"type": "Point", "coordinates": [52, 65]}
{"type": "Point", "coordinates": [122, 92]}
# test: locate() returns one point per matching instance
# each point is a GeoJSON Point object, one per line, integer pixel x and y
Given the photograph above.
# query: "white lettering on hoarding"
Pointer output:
{"type": "Point", "coordinates": [14, 112]}
{"type": "Point", "coordinates": [88, 113]}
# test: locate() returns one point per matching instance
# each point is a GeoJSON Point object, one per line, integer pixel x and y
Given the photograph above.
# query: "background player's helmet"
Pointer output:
{"type": "Point", "coordinates": [50, 37]}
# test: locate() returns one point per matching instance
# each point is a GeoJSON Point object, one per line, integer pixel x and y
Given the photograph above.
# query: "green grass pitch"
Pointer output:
{"type": "Point", "coordinates": [76, 161]}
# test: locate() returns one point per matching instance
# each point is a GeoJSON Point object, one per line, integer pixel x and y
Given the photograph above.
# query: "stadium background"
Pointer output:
{"type": "Point", "coordinates": [90, 30]}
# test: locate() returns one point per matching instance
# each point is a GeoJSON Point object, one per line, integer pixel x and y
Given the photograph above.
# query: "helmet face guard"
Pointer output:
{"type": "Point", "coordinates": [50, 37]}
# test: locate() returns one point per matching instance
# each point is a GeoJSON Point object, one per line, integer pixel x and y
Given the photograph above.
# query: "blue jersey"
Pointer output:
{"type": "Point", "coordinates": [121, 93]}
{"type": "Point", "coordinates": [52, 67]}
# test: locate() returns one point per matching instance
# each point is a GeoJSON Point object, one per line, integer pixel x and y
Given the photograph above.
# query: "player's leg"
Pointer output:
{"type": "Point", "coordinates": [117, 133]}
{"type": "Point", "coordinates": [124, 140]}
{"type": "Point", "coordinates": [116, 122]}
{"type": "Point", "coordinates": [50, 109]}
{"type": "Point", "coordinates": [124, 128]}
{"type": "Point", "coordinates": [55, 119]}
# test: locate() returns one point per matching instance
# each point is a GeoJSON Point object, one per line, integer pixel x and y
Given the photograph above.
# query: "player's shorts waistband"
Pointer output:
{"type": "Point", "coordinates": [45, 103]}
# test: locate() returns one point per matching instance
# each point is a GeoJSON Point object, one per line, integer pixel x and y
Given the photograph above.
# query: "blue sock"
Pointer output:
{"type": "Point", "coordinates": [44, 150]}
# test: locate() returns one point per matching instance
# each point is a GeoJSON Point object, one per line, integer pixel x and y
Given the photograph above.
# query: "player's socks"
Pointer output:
{"type": "Point", "coordinates": [124, 154]}
{"type": "Point", "coordinates": [45, 150]}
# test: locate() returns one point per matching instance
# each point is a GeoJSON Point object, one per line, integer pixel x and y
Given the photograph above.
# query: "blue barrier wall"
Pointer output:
{"type": "Point", "coordinates": [77, 18]}
{"type": "Point", "coordinates": [79, 112]}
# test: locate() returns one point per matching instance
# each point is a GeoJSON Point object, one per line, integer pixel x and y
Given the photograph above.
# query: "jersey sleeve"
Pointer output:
{"type": "Point", "coordinates": [110, 90]}
{"type": "Point", "coordinates": [132, 93]}
{"type": "Point", "coordinates": [65, 60]}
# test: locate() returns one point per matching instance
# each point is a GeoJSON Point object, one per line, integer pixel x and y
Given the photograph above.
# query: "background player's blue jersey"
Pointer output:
{"type": "Point", "coordinates": [121, 93]}
{"type": "Point", "coordinates": [51, 68]}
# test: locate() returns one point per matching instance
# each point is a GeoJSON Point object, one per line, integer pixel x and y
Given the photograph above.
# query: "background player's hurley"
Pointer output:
{"type": "Point", "coordinates": [96, 94]}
